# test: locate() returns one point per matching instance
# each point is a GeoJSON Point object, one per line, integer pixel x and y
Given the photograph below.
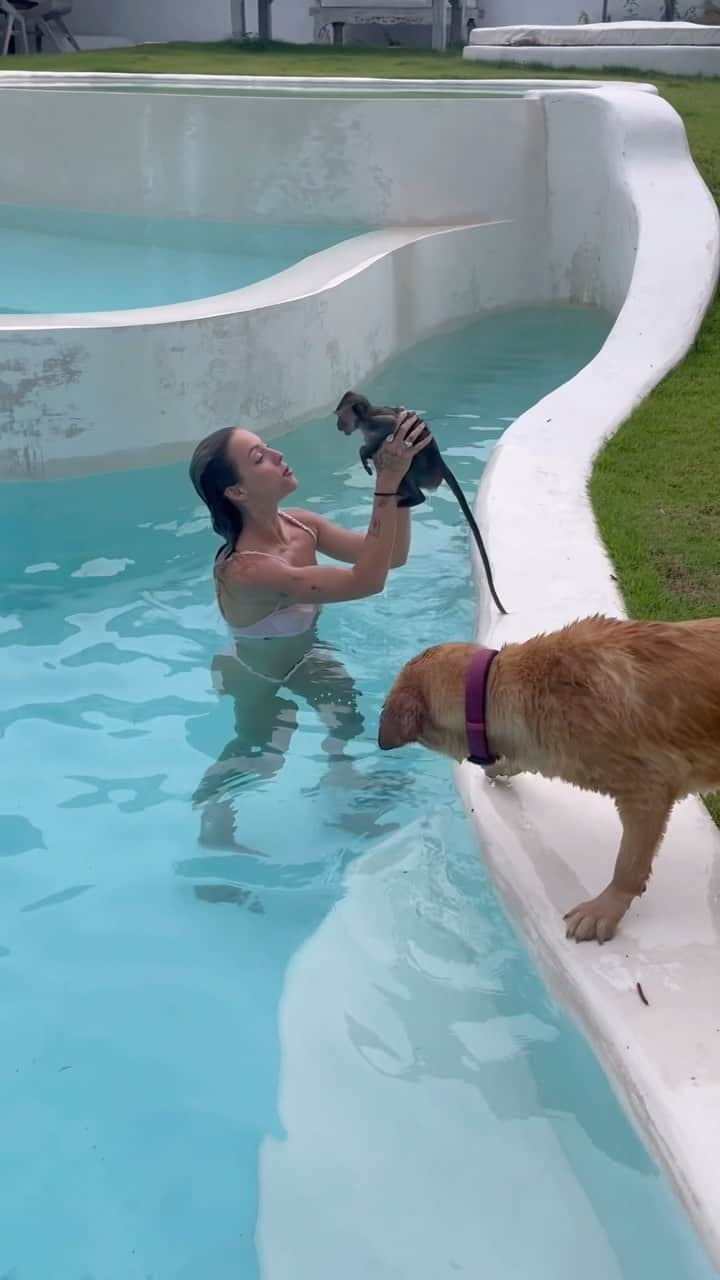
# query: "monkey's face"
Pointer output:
{"type": "Point", "coordinates": [350, 412]}
{"type": "Point", "coordinates": [347, 421]}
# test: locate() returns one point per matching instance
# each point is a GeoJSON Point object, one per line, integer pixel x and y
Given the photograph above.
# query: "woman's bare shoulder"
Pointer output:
{"type": "Point", "coordinates": [247, 569]}
{"type": "Point", "coordinates": [309, 518]}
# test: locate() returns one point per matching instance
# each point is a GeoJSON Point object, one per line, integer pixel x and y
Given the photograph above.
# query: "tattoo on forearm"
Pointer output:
{"type": "Point", "coordinates": [374, 530]}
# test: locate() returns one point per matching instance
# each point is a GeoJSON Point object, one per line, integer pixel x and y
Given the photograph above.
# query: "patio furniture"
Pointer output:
{"type": "Point", "coordinates": [332, 16]}
{"type": "Point", "coordinates": [39, 18]}
{"type": "Point", "coordinates": [48, 17]}
{"type": "Point", "coordinates": [14, 27]}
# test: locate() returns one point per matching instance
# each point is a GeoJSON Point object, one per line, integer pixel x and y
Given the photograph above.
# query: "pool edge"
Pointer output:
{"type": "Point", "coordinates": [535, 512]}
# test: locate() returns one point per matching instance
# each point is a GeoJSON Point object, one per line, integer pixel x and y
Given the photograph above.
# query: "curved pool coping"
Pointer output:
{"type": "Point", "coordinates": [317, 86]}
{"type": "Point", "coordinates": [551, 567]}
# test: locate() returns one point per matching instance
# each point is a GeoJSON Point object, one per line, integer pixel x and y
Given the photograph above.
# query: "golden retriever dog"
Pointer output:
{"type": "Point", "coordinates": [627, 709]}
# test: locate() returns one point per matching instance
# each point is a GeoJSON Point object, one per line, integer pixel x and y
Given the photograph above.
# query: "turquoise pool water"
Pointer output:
{"type": "Point", "coordinates": [60, 260]}
{"type": "Point", "coordinates": [283, 1030]}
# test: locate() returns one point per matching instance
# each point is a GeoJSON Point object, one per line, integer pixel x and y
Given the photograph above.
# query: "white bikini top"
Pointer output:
{"type": "Point", "coordinates": [287, 620]}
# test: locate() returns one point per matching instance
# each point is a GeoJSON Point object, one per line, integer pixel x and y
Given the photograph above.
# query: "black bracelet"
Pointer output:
{"type": "Point", "coordinates": [394, 494]}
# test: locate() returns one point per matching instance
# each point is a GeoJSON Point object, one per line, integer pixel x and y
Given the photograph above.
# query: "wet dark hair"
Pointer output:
{"type": "Point", "coordinates": [212, 472]}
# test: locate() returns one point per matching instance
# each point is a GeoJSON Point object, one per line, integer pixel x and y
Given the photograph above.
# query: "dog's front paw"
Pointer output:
{"type": "Point", "coordinates": [598, 918]}
{"type": "Point", "coordinates": [500, 771]}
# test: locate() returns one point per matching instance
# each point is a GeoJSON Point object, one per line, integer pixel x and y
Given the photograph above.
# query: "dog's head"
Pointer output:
{"type": "Point", "coordinates": [351, 411]}
{"type": "Point", "coordinates": [426, 703]}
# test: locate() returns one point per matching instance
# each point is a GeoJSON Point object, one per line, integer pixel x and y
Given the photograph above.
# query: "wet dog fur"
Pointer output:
{"type": "Point", "coordinates": [627, 709]}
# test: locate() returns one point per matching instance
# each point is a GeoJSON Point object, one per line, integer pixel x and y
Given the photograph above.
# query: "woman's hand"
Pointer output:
{"type": "Point", "coordinates": [408, 438]}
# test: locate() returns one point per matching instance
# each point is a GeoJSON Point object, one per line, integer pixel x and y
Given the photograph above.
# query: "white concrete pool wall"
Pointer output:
{"type": "Point", "coordinates": [549, 846]}
{"type": "Point", "coordinates": [455, 177]}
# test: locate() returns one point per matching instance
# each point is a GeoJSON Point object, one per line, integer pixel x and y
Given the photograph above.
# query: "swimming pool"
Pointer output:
{"type": "Point", "coordinates": [158, 956]}
{"type": "Point", "coordinates": [64, 260]}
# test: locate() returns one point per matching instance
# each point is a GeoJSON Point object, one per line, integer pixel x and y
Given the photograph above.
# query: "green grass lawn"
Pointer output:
{"type": "Point", "coordinates": [656, 485]}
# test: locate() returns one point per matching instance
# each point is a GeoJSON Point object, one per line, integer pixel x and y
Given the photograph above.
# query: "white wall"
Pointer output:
{"type": "Point", "coordinates": [142, 20]}
{"type": "Point", "coordinates": [161, 377]}
{"type": "Point", "coordinates": [593, 228]}
{"type": "Point", "coordinates": [372, 160]}
{"type": "Point", "coordinates": [503, 13]}
{"type": "Point", "coordinates": [76, 389]}
{"type": "Point", "coordinates": [290, 19]}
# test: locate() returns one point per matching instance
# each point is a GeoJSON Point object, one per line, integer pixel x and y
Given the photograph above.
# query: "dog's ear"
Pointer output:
{"type": "Point", "coordinates": [402, 719]}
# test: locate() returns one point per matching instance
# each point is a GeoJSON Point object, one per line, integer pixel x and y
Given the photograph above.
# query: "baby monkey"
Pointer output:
{"type": "Point", "coordinates": [427, 469]}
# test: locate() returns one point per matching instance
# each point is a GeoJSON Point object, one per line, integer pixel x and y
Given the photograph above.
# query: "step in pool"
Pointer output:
{"type": "Point", "coordinates": [59, 261]}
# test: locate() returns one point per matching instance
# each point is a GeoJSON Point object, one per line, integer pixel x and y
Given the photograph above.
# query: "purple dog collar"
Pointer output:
{"type": "Point", "coordinates": [475, 706]}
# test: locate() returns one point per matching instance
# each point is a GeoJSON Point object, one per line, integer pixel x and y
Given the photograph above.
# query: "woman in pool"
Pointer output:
{"type": "Point", "coordinates": [270, 590]}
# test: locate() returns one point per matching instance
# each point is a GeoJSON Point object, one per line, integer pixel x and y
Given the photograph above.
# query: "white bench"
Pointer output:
{"type": "Point", "coordinates": [633, 33]}
{"type": "Point", "coordinates": [674, 48]}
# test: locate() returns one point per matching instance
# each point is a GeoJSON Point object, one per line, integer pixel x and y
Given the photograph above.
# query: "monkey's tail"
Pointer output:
{"type": "Point", "coordinates": [465, 508]}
